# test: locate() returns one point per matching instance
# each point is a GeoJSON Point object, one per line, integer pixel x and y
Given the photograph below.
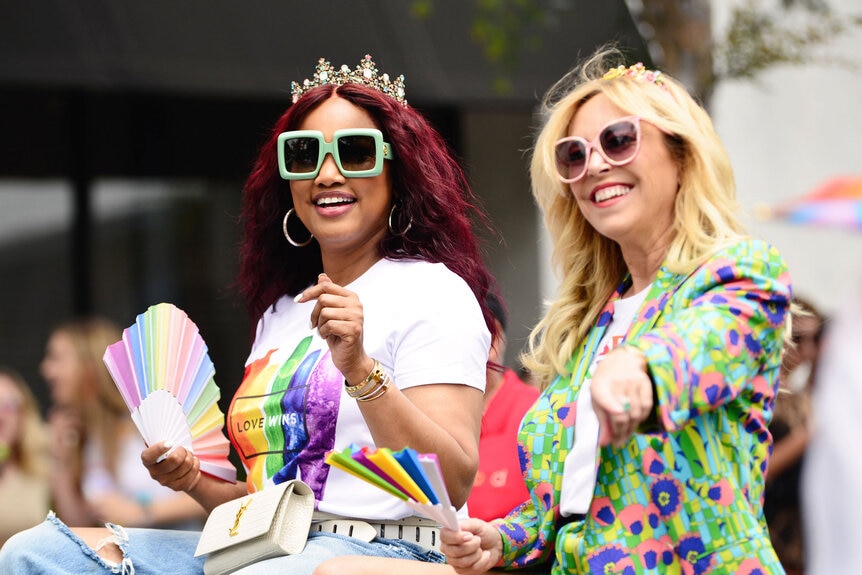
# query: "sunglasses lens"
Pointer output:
{"type": "Point", "coordinates": [571, 158]}
{"type": "Point", "coordinates": [357, 153]}
{"type": "Point", "coordinates": [301, 154]}
{"type": "Point", "coordinates": [620, 141]}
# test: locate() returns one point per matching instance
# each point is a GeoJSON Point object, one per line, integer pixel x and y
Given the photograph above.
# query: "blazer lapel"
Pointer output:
{"type": "Point", "coordinates": [660, 292]}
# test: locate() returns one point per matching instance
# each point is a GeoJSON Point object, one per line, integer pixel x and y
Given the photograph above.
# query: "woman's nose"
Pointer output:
{"type": "Point", "coordinates": [596, 162]}
{"type": "Point", "coordinates": [329, 171]}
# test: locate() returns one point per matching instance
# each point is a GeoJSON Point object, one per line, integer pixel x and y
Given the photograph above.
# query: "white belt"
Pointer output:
{"type": "Point", "coordinates": [423, 532]}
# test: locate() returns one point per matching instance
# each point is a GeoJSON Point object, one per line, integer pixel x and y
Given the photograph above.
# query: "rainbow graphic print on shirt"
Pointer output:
{"type": "Point", "coordinates": [282, 417]}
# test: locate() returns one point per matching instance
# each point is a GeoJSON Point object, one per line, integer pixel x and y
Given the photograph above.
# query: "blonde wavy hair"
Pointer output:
{"type": "Point", "coordinates": [30, 450]}
{"type": "Point", "coordinates": [590, 265]}
{"type": "Point", "coordinates": [101, 405]}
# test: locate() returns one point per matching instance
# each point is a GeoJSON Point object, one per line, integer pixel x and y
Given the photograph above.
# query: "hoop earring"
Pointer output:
{"type": "Point", "coordinates": [402, 233]}
{"type": "Point", "coordinates": [287, 234]}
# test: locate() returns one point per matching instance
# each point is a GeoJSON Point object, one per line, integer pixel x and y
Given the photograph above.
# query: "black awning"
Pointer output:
{"type": "Point", "coordinates": [255, 48]}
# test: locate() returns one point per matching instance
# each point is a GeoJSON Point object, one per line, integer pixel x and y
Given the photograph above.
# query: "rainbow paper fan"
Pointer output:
{"type": "Point", "coordinates": [412, 477]}
{"type": "Point", "coordinates": [165, 376]}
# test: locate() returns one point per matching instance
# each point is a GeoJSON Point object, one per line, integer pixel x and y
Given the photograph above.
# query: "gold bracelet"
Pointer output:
{"type": "Point", "coordinates": [377, 391]}
{"type": "Point", "coordinates": [376, 376]}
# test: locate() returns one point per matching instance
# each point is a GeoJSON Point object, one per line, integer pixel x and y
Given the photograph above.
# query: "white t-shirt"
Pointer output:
{"type": "Point", "coordinates": [579, 469]}
{"type": "Point", "coordinates": [424, 325]}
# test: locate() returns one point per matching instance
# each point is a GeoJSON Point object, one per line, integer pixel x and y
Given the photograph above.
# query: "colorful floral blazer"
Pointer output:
{"type": "Point", "coordinates": [685, 495]}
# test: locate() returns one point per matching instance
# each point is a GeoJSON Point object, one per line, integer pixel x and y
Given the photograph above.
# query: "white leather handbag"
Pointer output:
{"type": "Point", "coordinates": [269, 523]}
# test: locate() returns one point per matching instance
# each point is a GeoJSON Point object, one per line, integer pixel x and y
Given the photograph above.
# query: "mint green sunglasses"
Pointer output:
{"type": "Point", "coordinates": [358, 153]}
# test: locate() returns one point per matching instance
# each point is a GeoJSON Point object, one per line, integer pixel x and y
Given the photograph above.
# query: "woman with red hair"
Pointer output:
{"type": "Point", "coordinates": [360, 267]}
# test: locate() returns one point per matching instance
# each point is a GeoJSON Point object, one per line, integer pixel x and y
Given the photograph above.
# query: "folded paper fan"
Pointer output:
{"type": "Point", "coordinates": [412, 477]}
{"type": "Point", "coordinates": [164, 373]}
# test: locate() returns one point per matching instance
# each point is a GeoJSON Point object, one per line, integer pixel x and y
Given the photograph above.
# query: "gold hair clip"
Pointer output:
{"type": "Point", "coordinates": [638, 72]}
{"type": "Point", "coordinates": [365, 74]}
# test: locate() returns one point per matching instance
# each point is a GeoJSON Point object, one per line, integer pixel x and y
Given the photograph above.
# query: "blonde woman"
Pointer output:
{"type": "Point", "coordinates": [97, 474]}
{"type": "Point", "coordinates": [647, 450]}
{"type": "Point", "coordinates": [24, 493]}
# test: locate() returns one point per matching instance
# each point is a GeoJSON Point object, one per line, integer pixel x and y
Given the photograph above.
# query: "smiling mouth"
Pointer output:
{"type": "Point", "coordinates": [611, 192]}
{"type": "Point", "coordinates": [331, 202]}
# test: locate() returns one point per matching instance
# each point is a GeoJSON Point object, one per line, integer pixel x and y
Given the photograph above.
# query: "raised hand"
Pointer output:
{"type": "Point", "coordinates": [339, 319]}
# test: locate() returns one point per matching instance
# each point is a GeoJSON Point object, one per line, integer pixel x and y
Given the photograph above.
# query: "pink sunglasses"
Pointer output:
{"type": "Point", "coordinates": [618, 142]}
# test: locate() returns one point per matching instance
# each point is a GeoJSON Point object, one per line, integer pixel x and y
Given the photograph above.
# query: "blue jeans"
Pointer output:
{"type": "Point", "coordinates": [51, 548]}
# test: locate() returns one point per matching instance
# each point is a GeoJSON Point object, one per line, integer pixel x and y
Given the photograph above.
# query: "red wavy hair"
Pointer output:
{"type": "Point", "coordinates": [428, 184]}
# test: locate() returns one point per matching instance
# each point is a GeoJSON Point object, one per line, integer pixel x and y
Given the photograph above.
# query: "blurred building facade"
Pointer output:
{"type": "Point", "coordinates": [789, 132]}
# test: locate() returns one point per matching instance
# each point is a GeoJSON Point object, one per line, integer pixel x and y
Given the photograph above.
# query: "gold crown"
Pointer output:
{"type": "Point", "coordinates": [638, 72]}
{"type": "Point", "coordinates": [364, 74]}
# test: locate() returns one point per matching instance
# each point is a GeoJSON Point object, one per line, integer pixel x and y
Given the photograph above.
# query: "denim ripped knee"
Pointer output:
{"type": "Point", "coordinates": [118, 537]}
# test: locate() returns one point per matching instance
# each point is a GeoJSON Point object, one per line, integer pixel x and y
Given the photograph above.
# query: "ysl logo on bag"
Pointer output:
{"type": "Point", "coordinates": [233, 531]}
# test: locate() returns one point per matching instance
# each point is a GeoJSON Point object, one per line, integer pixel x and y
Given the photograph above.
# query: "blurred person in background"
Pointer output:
{"type": "Point", "coordinates": [831, 471]}
{"type": "Point", "coordinates": [499, 486]}
{"type": "Point", "coordinates": [24, 491]}
{"type": "Point", "coordinates": [97, 474]}
{"type": "Point", "coordinates": [791, 429]}
{"type": "Point", "coordinates": [799, 363]}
